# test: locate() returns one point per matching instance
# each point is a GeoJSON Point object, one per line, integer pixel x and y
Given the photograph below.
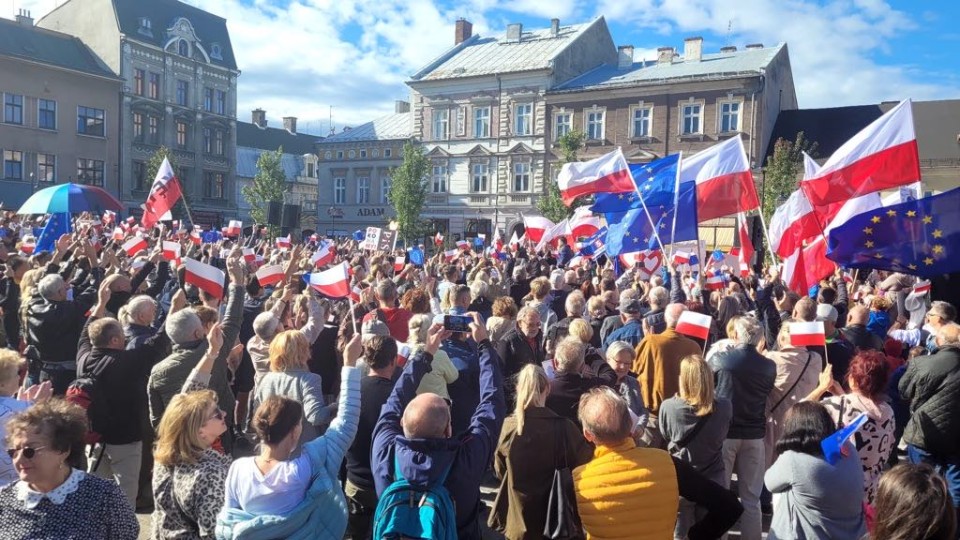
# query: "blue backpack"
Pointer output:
{"type": "Point", "coordinates": [407, 511]}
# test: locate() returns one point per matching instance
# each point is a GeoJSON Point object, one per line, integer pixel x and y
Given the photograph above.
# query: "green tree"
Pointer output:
{"type": "Point", "coordinates": [551, 204]}
{"type": "Point", "coordinates": [781, 176]}
{"type": "Point", "coordinates": [408, 191]}
{"type": "Point", "coordinates": [153, 165]}
{"type": "Point", "coordinates": [268, 186]}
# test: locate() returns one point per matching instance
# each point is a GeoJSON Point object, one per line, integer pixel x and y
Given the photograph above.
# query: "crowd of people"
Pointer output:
{"type": "Point", "coordinates": [273, 412]}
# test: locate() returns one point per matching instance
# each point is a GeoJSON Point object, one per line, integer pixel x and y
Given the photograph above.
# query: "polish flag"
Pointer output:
{"type": "Point", "coordinates": [463, 244]}
{"type": "Point", "coordinates": [608, 173]}
{"type": "Point", "coordinates": [108, 217]}
{"type": "Point", "coordinates": [324, 255]}
{"type": "Point", "coordinates": [584, 223]}
{"type": "Point", "coordinates": [205, 277]}
{"type": "Point", "coordinates": [27, 246]}
{"type": "Point", "coordinates": [332, 283]}
{"type": "Point", "coordinates": [195, 237]}
{"type": "Point", "coordinates": [694, 324]}
{"type": "Point", "coordinates": [807, 266]}
{"type": "Point", "coordinates": [355, 294]}
{"type": "Point", "coordinates": [134, 245]}
{"type": "Point", "coordinates": [398, 266]}
{"type": "Point", "coordinates": [164, 193]}
{"type": "Point", "coordinates": [497, 241]}
{"type": "Point", "coordinates": [284, 242]}
{"type": "Point", "coordinates": [234, 228]}
{"type": "Point", "coordinates": [450, 254]}
{"type": "Point", "coordinates": [882, 156]}
{"type": "Point", "coordinates": [438, 239]}
{"type": "Point", "coordinates": [681, 257]}
{"type": "Point", "coordinates": [514, 240]}
{"type": "Point", "coordinates": [118, 234]}
{"type": "Point", "coordinates": [715, 282]}
{"type": "Point", "coordinates": [535, 227]}
{"type": "Point", "coordinates": [554, 233]}
{"type": "Point", "coordinates": [807, 334]}
{"type": "Point", "coordinates": [724, 181]}
{"type": "Point", "coordinates": [270, 275]}
{"type": "Point", "coordinates": [171, 250]}
{"type": "Point", "coordinates": [249, 255]}
{"type": "Point", "coordinates": [922, 287]}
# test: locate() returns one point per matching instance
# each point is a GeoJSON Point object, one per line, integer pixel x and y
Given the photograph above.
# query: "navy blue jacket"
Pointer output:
{"type": "Point", "coordinates": [745, 377]}
{"type": "Point", "coordinates": [632, 333]}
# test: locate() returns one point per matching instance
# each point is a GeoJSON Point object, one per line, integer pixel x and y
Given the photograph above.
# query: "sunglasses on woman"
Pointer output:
{"type": "Point", "coordinates": [27, 451]}
{"type": "Point", "coordinates": [219, 415]}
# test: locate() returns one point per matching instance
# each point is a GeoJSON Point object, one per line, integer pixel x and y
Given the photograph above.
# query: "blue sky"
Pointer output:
{"type": "Point", "coordinates": [301, 57]}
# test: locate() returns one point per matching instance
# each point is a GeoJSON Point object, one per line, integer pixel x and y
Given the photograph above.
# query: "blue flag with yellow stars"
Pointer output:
{"type": "Point", "coordinates": [631, 231]}
{"type": "Point", "coordinates": [919, 237]}
{"type": "Point", "coordinates": [656, 180]}
{"type": "Point", "coordinates": [57, 225]}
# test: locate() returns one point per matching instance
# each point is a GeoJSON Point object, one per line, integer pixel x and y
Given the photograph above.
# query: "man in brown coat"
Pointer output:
{"type": "Point", "coordinates": [657, 366]}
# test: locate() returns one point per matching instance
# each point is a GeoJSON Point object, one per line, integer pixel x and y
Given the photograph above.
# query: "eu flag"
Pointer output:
{"type": "Point", "coordinates": [57, 225]}
{"type": "Point", "coordinates": [919, 237]}
{"type": "Point", "coordinates": [631, 231]}
{"type": "Point", "coordinates": [416, 256]}
{"type": "Point", "coordinates": [655, 180]}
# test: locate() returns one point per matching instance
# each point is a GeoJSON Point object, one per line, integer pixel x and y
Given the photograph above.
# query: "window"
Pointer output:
{"type": "Point", "coordinates": [183, 90]}
{"type": "Point", "coordinates": [441, 124]}
{"type": "Point", "coordinates": [221, 102]}
{"type": "Point", "coordinates": [481, 122]}
{"type": "Point", "coordinates": [363, 153]}
{"type": "Point", "coordinates": [153, 129]}
{"type": "Point", "coordinates": [90, 171]}
{"type": "Point", "coordinates": [339, 154]}
{"type": "Point", "coordinates": [47, 114]}
{"type": "Point", "coordinates": [594, 125]}
{"type": "Point", "coordinates": [479, 177]}
{"type": "Point", "coordinates": [328, 155]}
{"type": "Point", "coordinates": [521, 176]}
{"type": "Point", "coordinates": [90, 121]}
{"type": "Point", "coordinates": [13, 108]}
{"type": "Point", "coordinates": [13, 165]}
{"type": "Point", "coordinates": [46, 167]}
{"type": "Point", "coordinates": [139, 78]}
{"type": "Point", "coordinates": [183, 49]}
{"type": "Point", "coordinates": [641, 122]}
{"type": "Point", "coordinates": [690, 119]}
{"type": "Point", "coordinates": [729, 116]}
{"type": "Point", "coordinates": [216, 52]}
{"type": "Point", "coordinates": [385, 183]}
{"type": "Point", "coordinates": [311, 170]}
{"type": "Point", "coordinates": [182, 130]}
{"type": "Point", "coordinates": [363, 190]}
{"type": "Point", "coordinates": [218, 136]}
{"type": "Point", "coordinates": [439, 179]}
{"type": "Point", "coordinates": [561, 125]}
{"type": "Point", "coordinates": [352, 154]}
{"type": "Point", "coordinates": [524, 123]}
{"type": "Point", "coordinates": [213, 185]}
{"type": "Point", "coordinates": [376, 152]}
{"type": "Point", "coordinates": [140, 176]}
{"type": "Point", "coordinates": [153, 89]}
{"type": "Point", "coordinates": [208, 99]}
{"type": "Point", "coordinates": [340, 190]}
{"type": "Point", "coordinates": [387, 152]}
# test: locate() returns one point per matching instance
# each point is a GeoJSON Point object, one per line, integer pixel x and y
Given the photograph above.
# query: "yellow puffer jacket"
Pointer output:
{"type": "Point", "coordinates": [627, 492]}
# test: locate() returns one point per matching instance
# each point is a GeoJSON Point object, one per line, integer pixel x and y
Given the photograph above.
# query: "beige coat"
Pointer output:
{"type": "Point", "coordinates": [796, 376]}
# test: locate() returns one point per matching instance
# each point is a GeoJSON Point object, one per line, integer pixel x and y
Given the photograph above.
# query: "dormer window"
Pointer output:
{"type": "Point", "coordinates": [183, 48]}
{"type": "Point", "coordinates": [216, 52]}
{"type": "Point", "coordinates": [146, 28]}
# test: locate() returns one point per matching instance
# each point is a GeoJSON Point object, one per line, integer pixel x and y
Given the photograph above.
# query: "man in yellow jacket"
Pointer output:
{"type": "Point", "coordinates": [632, 493]}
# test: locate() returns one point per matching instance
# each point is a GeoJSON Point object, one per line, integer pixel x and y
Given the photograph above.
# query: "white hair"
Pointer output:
{"type": "Point", "coordinates": [659, 296]}
{"type": "Point", "coordinates": [50, 286]}
{"type": "Point", "coordinates": [265, 325]}
{"type": "Point", "coordinates": [556, 279]}
{"type": "Point", "coordinates": [136, 305]}
{"type": "Point", "coordinates": [617, 347]}
{"type": "Point", "coordinates": [183, 326]}
{"type": "Point", "coordinates": [479, 289]}
{"type": "Point", "coordinates": [671, 314]}
{"type": "Point", "coordinates": [569, 355]}
{"type": "Point", "coordinates": [575, 304]}
{"type": "Point", "coordinates": [748, 331]}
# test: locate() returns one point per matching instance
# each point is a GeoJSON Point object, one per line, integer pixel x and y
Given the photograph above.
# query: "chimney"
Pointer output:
{"type": "Point", "coordinates": [290, 124]}
{"type": "Point", "coordinates": [665, 55]}
{"type": "Point", "coordinates": [514, 32]}
{"type": "Point", "coordinates": [554, 27]}
{"type": "Point", "coordinates": [259, 118]}
{"type": "Point", "coordinates": [401, 106]}
{"type": "Point", "coordinates": [728, 49]}
{"type": "Point", "coordinates": [693, 49]}
{"type": "Point", "coordinates": [24, 18]}
{"type": "Point", "coordinates": [753, 46]}
{"type": "Point", "coordinates": [625, 57]}
{"type": "Point", "coordinates": [463, 31]}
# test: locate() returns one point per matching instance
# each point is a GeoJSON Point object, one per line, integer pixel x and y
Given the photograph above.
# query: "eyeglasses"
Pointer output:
{"type": "Point", "coordinates": [27, 451]}
{"type": "Point", "coordinates": [219, 415]}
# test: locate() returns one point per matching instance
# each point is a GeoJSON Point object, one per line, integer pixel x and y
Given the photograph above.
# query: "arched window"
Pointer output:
{"type": "Point", "coordinates": [183, 49]}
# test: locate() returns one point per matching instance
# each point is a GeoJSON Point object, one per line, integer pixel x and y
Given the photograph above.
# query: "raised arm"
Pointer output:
{"type": "Point", "coordinates": [488, 418]}
{"type": "Point", "coordinates": [314, 325]}
{"type": "Point", "coordinates": [339, 436]}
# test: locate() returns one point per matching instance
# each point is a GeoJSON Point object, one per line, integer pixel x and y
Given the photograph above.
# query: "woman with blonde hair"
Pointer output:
{"type": "Point", "coordinates": [695, 425]}
{"type": "Point", "coordinates": [290, 377]}
{"type": "Point", "coordinates": [798, 371]}
{"type": "Point", "coordinates": [534, 442]}
{"type": "Point", "coordinates": [442, 370]}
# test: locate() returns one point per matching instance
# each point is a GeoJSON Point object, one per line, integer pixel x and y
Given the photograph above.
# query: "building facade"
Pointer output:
{"type": "Point", "coordinates": [299, 164]}
{"type": "Point", "coordinates": [179, 91]}
{"type": "Point", "coordinates": [355, 168]}
{"type": "Point", "coordinates": [59, 117]}
{"type": "Point", "coordinates": [480, 110]}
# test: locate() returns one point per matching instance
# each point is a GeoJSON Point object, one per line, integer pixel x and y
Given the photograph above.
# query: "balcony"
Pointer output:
{"type": "Point", "coordinates": [437, 198]}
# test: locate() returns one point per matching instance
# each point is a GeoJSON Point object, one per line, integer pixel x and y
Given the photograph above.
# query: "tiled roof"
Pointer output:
{"type": "Point", "coordinates": [489, 55]}
{"type": "Point", "coordinates": [391, 127]}
{"type": "Point", "coordinates": [247, 163]}
{"type": "Point", "coordinates": [270, 138]}
{"type": "Point", "coordinates": [49, 47]}
{"type": "Point", "coordinates": [649, 71]}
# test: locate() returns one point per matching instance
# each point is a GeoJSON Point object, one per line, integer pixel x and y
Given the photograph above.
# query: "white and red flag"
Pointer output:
{"type": "Point", "coordinates": [883, 155]}
{"type": "Point", "coordinates": [284, 242]}
{"type": "Point", "coordinates": [164, 193]}
{"type": "Point", "coordinates": [450, 254]}
{"type": "Point", "coordinates": [694, 324]}
{"type": "Point", "coordinates": [497, 241]}
{"type": "Point", "coordinates": [134, 245]}
{"type": "Point", "coordinates": [118, 234]}
{"type": "Point", "coordinates": [195, 237]}
{"type": "Point", "coordinates": [270, 274]}
{"type": "Point", "coordinates": [171, 250]}
{"type": "Point", "coordinates": [807, 334]}
{"type": "Point", "coordinates": [204, 277]}
{"type": "Point", "coordinates": [332, 283]}
{"type": "Point", "coordinates": [584, 223]}
{"type": "Point", "coordinates": [324, 255]}
{"type": "Point", "coordinates": [724, 181]}
{"type": "Point", "coordinates": [608, 173]}
{"type": "Point", "coordinates": [554, 233]}
{"type": "Point", "coordinates": [355, 293]}
{"type": "Point", "coordinates": [535, 227]}
{"type": "Point", "coordinates": [922, 287]}
{"type": "Point", "coordinates": [234, 228]}
{"type": "Point", "coordinates": [681, 257]}
{"type": "Point", "coordinates": [108, 217]}
{"type": "Point", "coordinates": [463, 245]}
{"type": "Point", "coordinates": [249, 255]}
{"type": "Point", "coordinates": [398, 266]}
{"type": "Point", "coordinates": [715, 282]}
{"type": "Point", "coordinates": [438, 239]}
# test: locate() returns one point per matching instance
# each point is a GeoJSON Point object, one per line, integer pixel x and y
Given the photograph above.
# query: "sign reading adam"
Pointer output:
{"type": "Point", "coordinates": [374, 212]}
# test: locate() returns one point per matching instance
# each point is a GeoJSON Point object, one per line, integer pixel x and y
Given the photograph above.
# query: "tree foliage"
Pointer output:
{"type": "Point", "coordinates": [784, 168]}
{"type": "Point", "coordinates": [408, 191]}
{"type": "Point", "coordinates": [551, 204]}
{"type": "Point", "coordinates": [153, 165]}
{"type": "Point", "coordinates": [268, 186]}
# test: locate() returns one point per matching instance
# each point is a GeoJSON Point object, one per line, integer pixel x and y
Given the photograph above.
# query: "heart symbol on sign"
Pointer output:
{"type": "Point", "coordinates": [650, 261]}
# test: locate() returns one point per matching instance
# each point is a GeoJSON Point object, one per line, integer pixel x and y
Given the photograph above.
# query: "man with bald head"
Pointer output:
{"type": "Point", "coordinates": [931, 385]}
{"type": "Point", "coordinates": [855, 331]}
{"type": "Point", "coordinates": [414, 437]}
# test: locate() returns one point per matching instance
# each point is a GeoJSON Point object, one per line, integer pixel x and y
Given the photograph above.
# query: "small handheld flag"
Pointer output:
{"type": "Point", "coordinates": [694, 324]}
{"type": "Point", "coordinates": [832, 446]}
{"type": "Point", "coordinates": [807, 334]}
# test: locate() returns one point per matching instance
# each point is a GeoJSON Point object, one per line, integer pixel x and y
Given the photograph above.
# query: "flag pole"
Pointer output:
{"type": "Point", "coordinates": [653, 226]}
{"type": "Point", "coordinates": [353, 317]}
{"type": "Point", "coordinates": [183, 199]}
{"type": "Point", "coordinates": [676, 201]}
{"type": "Point", "coordinates": [766, 235]}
